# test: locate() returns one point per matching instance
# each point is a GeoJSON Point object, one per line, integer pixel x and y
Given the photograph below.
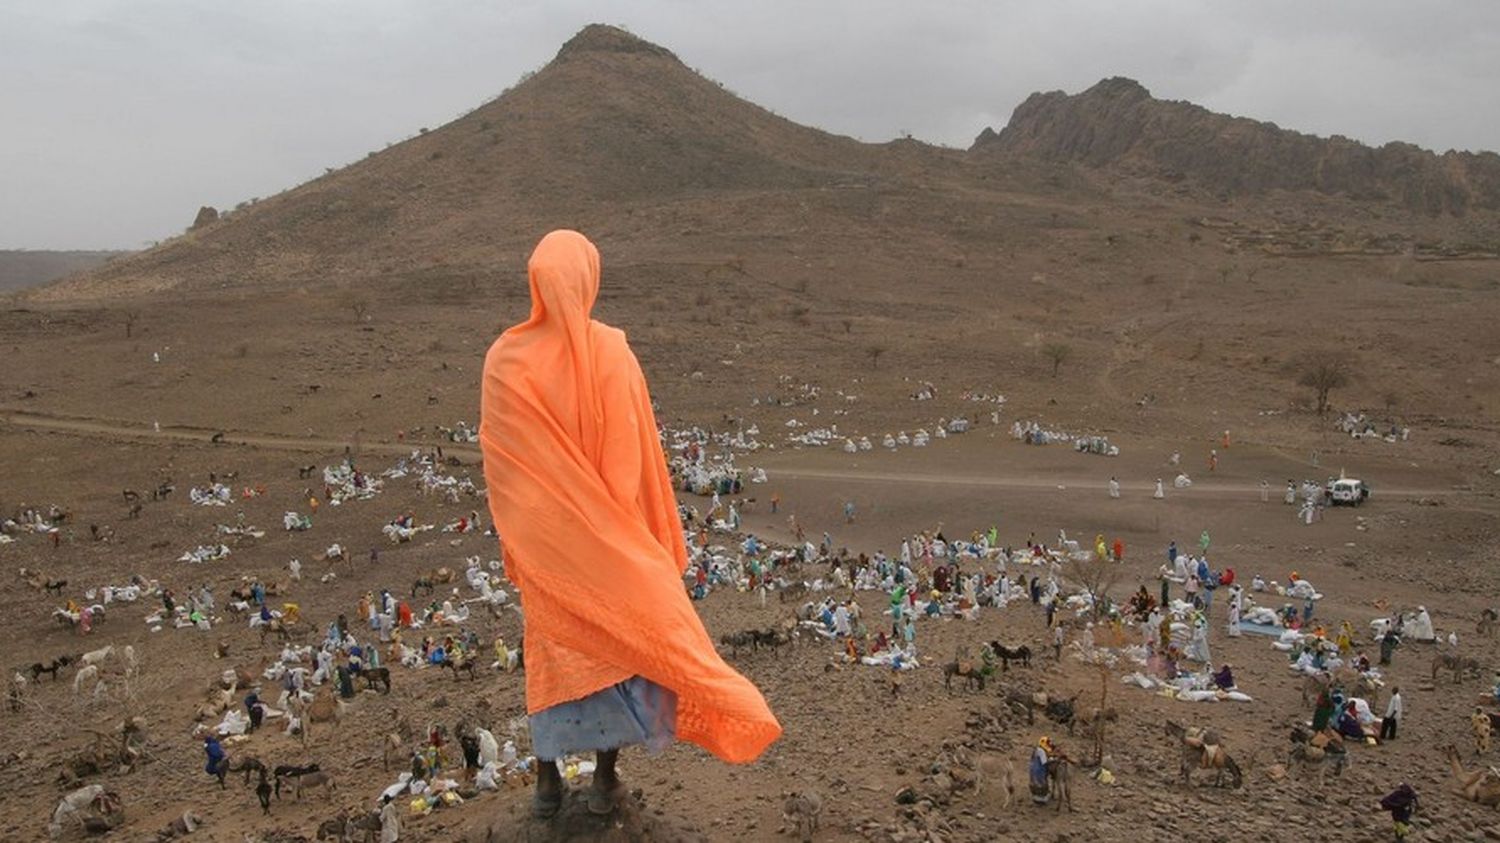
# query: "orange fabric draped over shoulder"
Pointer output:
{"type": "Point", "coordinates": [581, 497]}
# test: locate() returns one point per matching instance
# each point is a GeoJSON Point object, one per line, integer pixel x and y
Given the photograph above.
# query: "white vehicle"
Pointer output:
{"type": "Point", "coordinates": [1348, 492]}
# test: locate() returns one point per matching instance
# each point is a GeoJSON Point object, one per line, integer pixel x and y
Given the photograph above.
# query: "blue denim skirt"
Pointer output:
{"type": "Point", "coordinates": [636, 711]}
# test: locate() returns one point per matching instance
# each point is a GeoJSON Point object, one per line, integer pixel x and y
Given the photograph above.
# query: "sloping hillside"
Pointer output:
{"type": "Point", "coordinates": [612, 122]}
{"type": "Point", "coordinates": [1118, 123]}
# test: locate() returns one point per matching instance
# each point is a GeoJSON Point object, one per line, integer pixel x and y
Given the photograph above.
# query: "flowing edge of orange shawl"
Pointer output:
{"type": "Point", "coordinates": [609, 595]}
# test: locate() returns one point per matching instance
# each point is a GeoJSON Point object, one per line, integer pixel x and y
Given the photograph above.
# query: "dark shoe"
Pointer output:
{"type": "Point", "coordinates": [602, 800]}
{"type": "Point", "coordinates": [545, 806]}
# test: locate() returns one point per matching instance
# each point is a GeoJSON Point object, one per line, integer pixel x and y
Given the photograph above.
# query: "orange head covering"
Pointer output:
{"type": "Point", "coordinates": [580, 494]}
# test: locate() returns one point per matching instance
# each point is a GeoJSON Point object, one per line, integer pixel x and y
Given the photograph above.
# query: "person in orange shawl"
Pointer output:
{"type": "Point", "coordinates": [581, 498]}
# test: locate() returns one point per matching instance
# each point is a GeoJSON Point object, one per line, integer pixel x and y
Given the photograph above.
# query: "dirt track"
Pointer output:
{"type": "Point", "coordinates": [24, 420]}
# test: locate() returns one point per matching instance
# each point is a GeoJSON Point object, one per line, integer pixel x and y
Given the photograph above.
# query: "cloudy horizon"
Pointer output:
{"type": "Point", "coordinates": [124, 117]}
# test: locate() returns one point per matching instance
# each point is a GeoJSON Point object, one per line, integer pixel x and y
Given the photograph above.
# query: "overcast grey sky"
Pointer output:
{"type": "Point", "coordinates": [118, 118]}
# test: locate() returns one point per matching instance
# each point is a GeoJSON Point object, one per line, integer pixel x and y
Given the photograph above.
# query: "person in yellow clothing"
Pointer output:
{"type": "Point", "coordinates": [1345, 639]}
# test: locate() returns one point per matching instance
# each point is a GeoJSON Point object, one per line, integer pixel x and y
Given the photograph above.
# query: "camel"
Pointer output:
{"type": "Point", "coordinates": [390, 747]}
{"type": "Point", "coordinates": [103, 755]}
{"type": "Point", "coordinates": [247, 676]}
{"type": "Point", "coordinates": [1481, 786]}
{"type": "Point", "coordinates": [1368, 689]}
{"type": "Point", "coordinates": [220, 700]}
{"type": "Point", "coordinates": [1203, 749]}
{"type": "Point", "coordinates": [297, 706]}
{"type": "Point", "coordinates": [325, 708]}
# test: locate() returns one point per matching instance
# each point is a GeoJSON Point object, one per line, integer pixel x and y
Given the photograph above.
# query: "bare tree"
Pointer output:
{"type": "Point", "coordinates": [1101, 720]}
{"type": "Point", "coordinates": [1323, 374]}
{"type": "Point", "coordinates": [1058, 353]}
{"type": "Point", "coordinates": [357, 304]}
{"type": "Point", "coordinates": [874, 352]}
{"type": "Point", "coordinates": [1096, 576]}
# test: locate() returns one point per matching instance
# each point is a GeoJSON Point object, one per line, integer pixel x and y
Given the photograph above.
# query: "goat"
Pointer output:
{"type": "Point", "coordinates": [87, 675]}
{"type": "Point", "coordinates": [55, 586]}
{"type": "Point", "coordinates": [263, 793]}
{"type": "Point", "coordinates": [802, 810]}
{"type": "Point", "coordinates": [37, 669]}
{"type": "Point", "coordinates": [94, 657]}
